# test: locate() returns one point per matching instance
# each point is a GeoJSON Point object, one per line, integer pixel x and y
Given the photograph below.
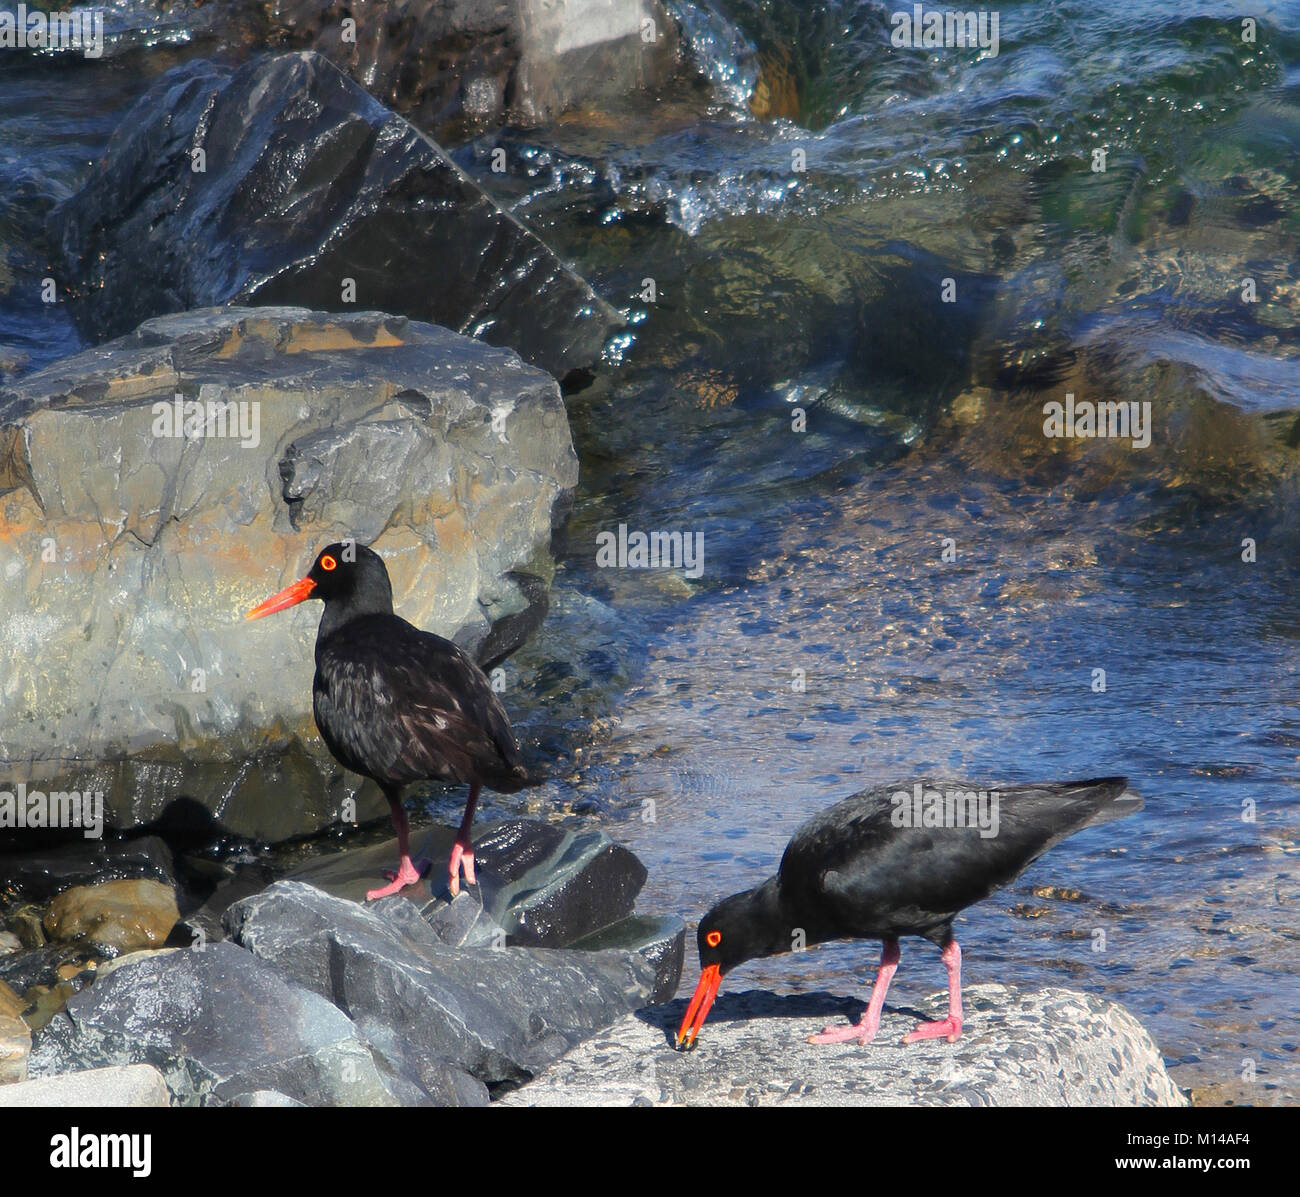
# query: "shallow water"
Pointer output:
{"type": "Point", "coordinates": [665, 704]}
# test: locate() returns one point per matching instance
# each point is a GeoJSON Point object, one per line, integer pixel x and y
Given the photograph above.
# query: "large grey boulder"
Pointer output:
{"type": "Point", "coordinates": [130, 557]}
{"type": "Point", "coordinates": [1054, 1047]}
{"type": "Point", "coordinates": [307, 182]}
{"type": "Point", "coordinates": [501, 1014]}
{"type": "Point", "coordinates": [217, 1024]}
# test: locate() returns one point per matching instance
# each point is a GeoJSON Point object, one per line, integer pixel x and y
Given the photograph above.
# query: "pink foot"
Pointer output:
{"type": "Point", "coordinates": [863, 1032]}
{"type": "Point", "coordinates": [462, 856]}
{"type": "Point", "coordinates": [407, 874]}
{"type": "Point", "coordinates": [949, 1028]}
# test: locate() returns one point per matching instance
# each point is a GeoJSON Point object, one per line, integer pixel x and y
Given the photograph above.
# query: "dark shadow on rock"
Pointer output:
{"type": "Point", "coordinates": [750, 1004]}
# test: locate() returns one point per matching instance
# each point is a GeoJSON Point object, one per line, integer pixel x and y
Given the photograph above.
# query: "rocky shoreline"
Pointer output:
{"type": "Point", "coordinates": [540, 986]}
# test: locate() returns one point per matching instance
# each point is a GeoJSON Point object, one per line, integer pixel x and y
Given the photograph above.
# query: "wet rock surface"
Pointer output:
{"type": "Point", "coordinates": [469, 64]}
{"type": "Point", "coordinates": [117, 916]}
{"type": "Point", "coordinates": [449, 455]}
{"type": "Point", "coordinates": [500, 1014]}
{"type": "Point", "coordinates": [217, 1024]}
{"type": "Point", "coordinates": [308, 182]}
{"type": "Point", "coordinates": [1052, 1047]}
{"type": "Point", "coordinates": [39, 875]}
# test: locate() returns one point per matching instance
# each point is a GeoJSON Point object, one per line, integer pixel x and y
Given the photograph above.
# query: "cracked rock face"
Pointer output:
{"type": "Point", "coordinates": [218, 1024]}
{"type": "Point", "coordinates": [1052, 1047]}
{"type": "Point", "coordinates": [499, 1014]}
{"type": "Point", "coordinates": [128, 554]}
{"type": "Point", "coordinates": [311, 192]}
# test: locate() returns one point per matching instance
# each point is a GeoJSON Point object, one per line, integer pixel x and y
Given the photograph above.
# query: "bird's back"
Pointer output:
{"type": "Point", "coordinates": [400, 705]}
{"type": "Point", "coordinates": [869, 867]}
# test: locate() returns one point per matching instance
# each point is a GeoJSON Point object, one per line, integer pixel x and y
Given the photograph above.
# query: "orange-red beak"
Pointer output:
{"type": "Point", "coordinates": [698, 1010]}
{"type": "Point", "coordinates": [290, 596]}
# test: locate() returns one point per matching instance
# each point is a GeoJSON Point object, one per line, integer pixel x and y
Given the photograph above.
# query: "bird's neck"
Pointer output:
{"type": "Point", "coordinates": [772, 929]}
{"type": "Point", "coordinates": [339, 614]}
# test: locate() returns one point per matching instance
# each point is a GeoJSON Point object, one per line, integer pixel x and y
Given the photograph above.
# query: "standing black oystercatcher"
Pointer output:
{"type": "Point", "coordinates": [899, 860]}
{"type": "Point", "coordinates": [397, 704]}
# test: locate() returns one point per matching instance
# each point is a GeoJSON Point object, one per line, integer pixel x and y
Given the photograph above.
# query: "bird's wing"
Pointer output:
{"type": "Point", "coordinates": [408, 705]}
{"type": "Point", "coordinates": [856, 856]}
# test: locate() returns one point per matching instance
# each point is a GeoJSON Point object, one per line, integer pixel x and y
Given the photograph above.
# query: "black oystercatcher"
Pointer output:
{"type": "Point", "coordinates": [898, 860]}
{"type": "Point", "coordinates": [397, 704]}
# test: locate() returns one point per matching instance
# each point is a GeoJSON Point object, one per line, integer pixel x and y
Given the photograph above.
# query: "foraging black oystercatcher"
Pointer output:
{"type": "Point", "coordinates": [894, 861]}
{"type": "Point", "coordinates": [397, 704]}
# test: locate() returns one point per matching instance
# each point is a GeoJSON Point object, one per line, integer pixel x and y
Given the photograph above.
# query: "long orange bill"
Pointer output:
{"type": "Point", "coordinates": [698, 1010]}
{"type": "Point", "coordinates": [288, 597]}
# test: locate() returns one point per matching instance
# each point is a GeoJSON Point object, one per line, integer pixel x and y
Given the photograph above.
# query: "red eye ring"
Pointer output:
{"type": "Point", "coordinates": [713, 938]}
{"type": "Point", "coordinates": [328, 563]}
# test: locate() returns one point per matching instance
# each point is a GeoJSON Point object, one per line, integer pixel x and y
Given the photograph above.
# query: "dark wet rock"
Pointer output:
{"type": "Point", "coordinates": [307, 182]}
{"type": "Point", "coordinates": [39, 966]}
{"type": "Point", "coordinates": [499, 1014]}
{"type": "Point", "coordinates": [449, 455]}
{"type": "Point", "coordinates": [560, 885]}
{"type": "Point", "coordinates": [754, 1050]}
{"type": "Point", "coordinates": [117, 916]}
{"type": "Point", "coordinates": [38, 876]}
{"type": "Point", "coordinates": [217, 1024]}
{"type": "Point", "coordinates": [660, 939]}
{"type": "Point", "coordinates": [204, 924]}
{"type": "Point", "coordinates": [457, 67]}
{"type": "Point", "coordinates": [546, 886]}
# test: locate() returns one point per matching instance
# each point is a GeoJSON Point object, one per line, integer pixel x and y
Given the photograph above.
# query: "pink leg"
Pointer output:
{"type": "Point", "coordinates": [950, 1027]}
{"type": "Point", "coordinates": [462, 852]}
{"type": "Point", "coordinates": [869, 1024]}
{"type": "Point", "coordinates": [407, 873]}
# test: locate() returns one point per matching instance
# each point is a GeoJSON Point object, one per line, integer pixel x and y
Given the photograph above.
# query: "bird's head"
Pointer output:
{"type": "Point", "coordinates": [737, 929]}
{"type": "Point", "coordinates": [344, 572]}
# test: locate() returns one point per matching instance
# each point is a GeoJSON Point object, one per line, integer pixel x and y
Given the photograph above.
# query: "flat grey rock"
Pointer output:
{"type": "Point", "coordinates": [121, 1086]}
{"type": "Point", "coordinates": [1054, 1047]}
{"type": "Point", "coordinates": [499, 1014]}
{"type": "Point", "coordinates": [217, 1024]}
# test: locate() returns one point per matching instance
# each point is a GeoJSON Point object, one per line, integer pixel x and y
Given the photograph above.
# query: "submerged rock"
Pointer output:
{"type": "Point", "coordinates": [217, 1024]}
{"type": "Point", "coordinates": [500, 1014]}
{"type": "Point", "coordinates": [470, 64]}
{"type": "Point", "coordinates": [130, 553]}
{"type": "Point", "coordinates": [284, 182]}
{"type": "Point", "coordinates": [119, 916]}
{"type": "Point", "coordinates": [41, 874]}
{"type": "Point", "coordinates": [1051, 1048]}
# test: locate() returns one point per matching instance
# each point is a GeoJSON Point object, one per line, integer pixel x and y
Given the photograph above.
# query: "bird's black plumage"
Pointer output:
{"type": "Point", "coordinates": [855, 871]}
{"type": "Point", "coordinates": [400, 705]}
{"type": "Point", "coordinates": [397, 704]}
